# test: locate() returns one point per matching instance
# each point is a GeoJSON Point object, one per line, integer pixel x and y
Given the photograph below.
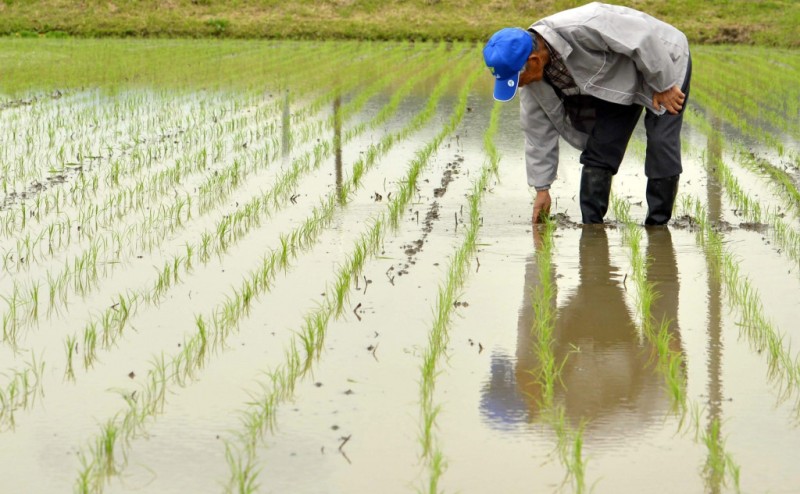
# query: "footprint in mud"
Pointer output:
{"type": "Point", "coordinates": [432, 215]}
{"type": "Point", "coordinates": [451, 169]}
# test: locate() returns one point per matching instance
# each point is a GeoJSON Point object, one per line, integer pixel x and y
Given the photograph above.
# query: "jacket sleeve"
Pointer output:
{"type": "Point", "coordinates": [541, 141]}
{"type": "Point", "coordinates": [637, 36]}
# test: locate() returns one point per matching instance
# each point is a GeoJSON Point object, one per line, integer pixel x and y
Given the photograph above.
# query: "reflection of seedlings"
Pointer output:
{"type": "Point", "coordinates": [71, 346]}
{"type": "Point", "coordinates": [366, 284]}
{"type": "Point", "coordinates": [719, 463]}
{"type": "Point", "coordinates": [344, 440]}
{"type": "Point", "coordinates": [372, 349]}
{"type": "Point", "coordinates": [391, 278]}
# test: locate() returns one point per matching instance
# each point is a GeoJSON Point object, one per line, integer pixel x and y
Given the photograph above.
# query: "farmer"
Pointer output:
{"type": "Point", "coordinates": [585, 74]}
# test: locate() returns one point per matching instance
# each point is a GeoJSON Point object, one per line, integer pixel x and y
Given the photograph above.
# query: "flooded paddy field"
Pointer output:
{"type": "Point", "coordinates": [236, 267]}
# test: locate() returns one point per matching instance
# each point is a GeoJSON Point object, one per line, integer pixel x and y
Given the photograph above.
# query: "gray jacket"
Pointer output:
{"type": "Point", "coordinates": [614, 53]}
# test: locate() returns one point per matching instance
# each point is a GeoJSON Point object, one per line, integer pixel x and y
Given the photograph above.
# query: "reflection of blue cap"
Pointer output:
{"type": "Point", "coordinates": [505, 55]}
{"type": "Point", "coordinates": [502, 405]}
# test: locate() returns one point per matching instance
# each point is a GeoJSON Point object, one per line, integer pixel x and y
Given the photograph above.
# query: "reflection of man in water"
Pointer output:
{"type": "Point", "coordinates": [610, 380]}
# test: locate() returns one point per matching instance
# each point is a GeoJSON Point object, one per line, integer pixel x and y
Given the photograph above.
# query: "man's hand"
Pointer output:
{"type": "Point", "coordinates": [541, 206]}
{"type": "Point", "coordinates": [672, 99]}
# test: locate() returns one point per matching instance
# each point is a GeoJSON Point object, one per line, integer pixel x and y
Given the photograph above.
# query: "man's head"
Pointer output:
{"type": "Point", "coordinates": [515, 58]}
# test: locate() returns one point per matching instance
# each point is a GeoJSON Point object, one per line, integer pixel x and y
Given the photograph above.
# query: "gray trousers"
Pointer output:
{"type": "Point", "coordinates": [614, 126]}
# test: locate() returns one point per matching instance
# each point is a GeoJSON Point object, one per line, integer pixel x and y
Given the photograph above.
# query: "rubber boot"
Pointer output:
{"type": "Point", "coordinates": [595, 189]}
{"type": "Point", "coordinates": [661, 194]}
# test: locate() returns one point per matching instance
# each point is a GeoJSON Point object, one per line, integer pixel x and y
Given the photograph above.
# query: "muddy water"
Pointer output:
{"type": "Point", "coordinates": [353, 422]}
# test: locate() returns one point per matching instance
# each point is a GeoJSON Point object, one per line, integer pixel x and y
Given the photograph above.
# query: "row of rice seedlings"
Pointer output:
{"type": "Point", "coordinates": [750, 116]}
{"type": "Point", "coordinates": [439, 337]}
{"type": "Point", "coordinates": [782, 233]}
{"type": "Point", "coordinates": [226, 318]}
{"type": "Point", "coordinates": [783, 368]}
{"type": "Point", "coordinates": [569, 447]}
{"type": "Point", "coordinates": [767, 99]}
{"type": "Point", "coordinates": [43, 120]}
{"type": "Point", "coordinates": [199, 118]}
{"type": "Point", "coordinates": [669, 362]}
{"type": "Point", "coordinates": [83, 184]}
{"type": "Point", "coordinates": [770, 88]}
{"type": "Point", "coordinates": [157, 223]}
{"type": "Point", "coordinates": [232, 227]}
{"type": "Point", "coordinates": [218, 115]}
{"type": "Point", "coordinates": [780, 178]}
{"type": "Point", "coordinates": [86, 142]}
{"type": "Point", "coordinates": [94, 219]}
{"type": "Point", "coordinates": [20, 392]}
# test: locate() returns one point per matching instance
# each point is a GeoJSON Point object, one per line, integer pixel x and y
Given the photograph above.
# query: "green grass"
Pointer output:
{"type": "Point", "coordinates": [766, 22]}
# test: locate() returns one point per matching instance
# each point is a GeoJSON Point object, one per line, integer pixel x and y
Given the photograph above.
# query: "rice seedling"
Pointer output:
{"type": "Point", "coordinates": [11, 320]}
{"type": "Point", "coordinates": [438, 336]}
{"type": "Point", "coordinates": [20, 392]}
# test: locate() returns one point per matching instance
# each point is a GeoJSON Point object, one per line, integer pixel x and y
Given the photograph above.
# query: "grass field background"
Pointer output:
{"type": "Point", "coordinates": [763, 22]}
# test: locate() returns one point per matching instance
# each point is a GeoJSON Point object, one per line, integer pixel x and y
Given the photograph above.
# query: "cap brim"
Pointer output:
{"type": "Point", "coordinates": [505, 89]}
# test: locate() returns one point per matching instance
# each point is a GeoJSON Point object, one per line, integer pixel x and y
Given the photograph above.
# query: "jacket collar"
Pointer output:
{"type": "Point", "coordinates": [554, 39]}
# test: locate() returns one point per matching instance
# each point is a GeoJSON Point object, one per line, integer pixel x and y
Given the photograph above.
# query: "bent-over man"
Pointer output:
{"type": "Point", "coordinates": [585, 74]}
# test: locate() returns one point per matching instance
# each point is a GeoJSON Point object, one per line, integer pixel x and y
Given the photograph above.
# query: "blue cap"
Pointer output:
{"type": "Point", "coordinates": [505, 54]}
